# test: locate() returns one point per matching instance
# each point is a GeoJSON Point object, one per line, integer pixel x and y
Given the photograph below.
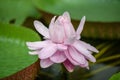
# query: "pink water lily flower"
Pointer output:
{"type": "Point", "coordinates": [62, 44]}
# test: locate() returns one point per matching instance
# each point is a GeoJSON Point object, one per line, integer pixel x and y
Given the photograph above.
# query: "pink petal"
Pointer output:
{"type": "Point", "coordinates": [80, 27]}
{"type": "Point", "coordinates": [69, 66]}
{"type": "Point", "coordinates": [61, 47]}
{"type": "Point", "coordinates": [44, 63]}
{"type": "Point", "coordinates": [57, 31]}
{"type": "Point", "coordinates": [89, 47]}
{"type": "Point", "coordinates": [84, 51]}
{"type": "Point", "coordinates": [66, 16]}
{"type": "Point", "coordinates": [77, 56]}
{"type": "Point", "coordinates": [84, 65]}
{"type": "Point", "coordinates": [69, 29]}
{"type": "Point", "coordinates": [41, 29]}
{"type": "Point", "coordinates": [37, 45]}
{"type": "Point", "coordinates": [70, 40]}
{"type": "Point", "coordinates": [70, 58]}
{"type": "Point", "coordinates": [47, 51]}
{"type": "Point", "coordinates": [58, 57]}
{"type": "Point", "coordinates": [51, 28]}
{"type": "Point", "coordinates": [52, 22]}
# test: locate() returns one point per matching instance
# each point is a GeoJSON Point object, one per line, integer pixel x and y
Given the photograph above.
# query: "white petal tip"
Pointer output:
{"type": "Point", "coordinates": [84, 17]}
{"type": "Point", "coordinates": [43, 66]}
{"type": "Point", "coordinates": [87, 68]}
{"type": "Point", "coordinates": [70, 70]}
{"type": "Point", "coordinates": [36, 21]}
{"type": "Point", "coordinates": [94, 61]}
{"type": "Point", "coordinates": [53, 19]}
{"type": "Point", "coordinates": [97, 51]}
{"type": "Point", "coordinates": [46, 63]}
{"type": "Point", "coordinates": [66, 12]}
{"type": "Point", "coordinates": [37, 24]}
{"type": "Point", "coordinates": [27, 43]}
{"type": "Point", "coordinates": [33, 53]}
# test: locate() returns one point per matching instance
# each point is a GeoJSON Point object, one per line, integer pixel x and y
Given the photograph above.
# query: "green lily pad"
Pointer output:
{"type": "Point", "coordinates": [115, 76]}
{"type": "Point", "coordinates": [16, 11]}
{"type": "Point", "coordinates": [13, 50]}
{"type": "Point", "coordinates": [94, 10]}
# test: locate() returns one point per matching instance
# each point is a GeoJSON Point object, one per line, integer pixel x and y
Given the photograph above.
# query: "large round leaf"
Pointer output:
{"type": "Point", "coordinates": [94, 10]}
{"type": "Point", "coordinates": [13, 50]}
{"type": "Point", "coordinates": [16, 11]}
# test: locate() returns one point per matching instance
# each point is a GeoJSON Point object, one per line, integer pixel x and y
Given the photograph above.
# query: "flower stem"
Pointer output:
{"type": "Point", "coordinates": [108, 58]}
{"type": "Point", "coordinates": [103, 51]}
{"type": "Point", "coordinates": [102, 45]}
{"type": "Point", "coordinates": [101, 69]}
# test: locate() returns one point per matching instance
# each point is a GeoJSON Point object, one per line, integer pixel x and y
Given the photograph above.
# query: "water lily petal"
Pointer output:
{"type": "Point", "coordinates": [80, 27]}
{"type": "Point", "coordinates": [57, 31]}
{"type": "Point", "coordinates": [66, 15]}
{"type": "Point", "coordinates": [67, 53]}
{"type": "Point", "coordinates": [37, 45]}
{"type": "Point", "coordinates": [52, 21]}
{"type": "Point", "coordinates": [70, 40]}
{"type": "Point", "coordinates": [88, 46]}
{"type": "Point", "coordinates": [61, 47]}
{"type": "Point", "coordinates": [41, 29]}
{"type": "Point", "coordinates": [33, 52]}
{"type": "Point", "coordinates": [77, 56]}
{"type": "Point", "coordinates": [58, 57]}
{"type": "Point", "coordinates": [52, 24]}
{"type": "Point", "coordinates": [69, 29]}
{"type": "Point", "coordinates": [84, 51]}
{"type": "Point", "coordinates": [69, 66]}
{"type": "Point", "coordinates": [61, 44]}
{"type": "Point", "coordinates": [51, 28]}
{"type": "Point", "coordinates": [47, 51]}
{"type": "Point", "coordinates": [84, 65]}
{"type": "Point", "coordinates": [60, 35]}
{"type": "Point", "coordinates": [44, 63]}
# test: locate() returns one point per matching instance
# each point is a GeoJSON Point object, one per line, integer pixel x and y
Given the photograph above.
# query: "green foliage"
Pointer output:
{"type": "Point", "coordinates": [103, 18]}
{"type": "Point", "coordinates": [16, 11]}
{"type": "Point", "coordinates": [94, 10]}
{"type": "Point", "coordinates": [115, 76]}
{"type": "Point", "coordinates": [13, 50]}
